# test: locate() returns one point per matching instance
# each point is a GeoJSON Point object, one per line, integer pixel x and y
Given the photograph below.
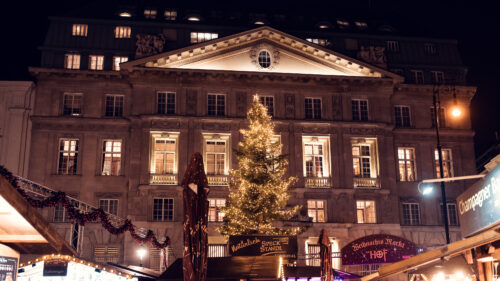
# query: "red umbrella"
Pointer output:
{"type": "Point", "coordinates": [325, 255]}
{"type": "Point", "coordinates": [195, 185]}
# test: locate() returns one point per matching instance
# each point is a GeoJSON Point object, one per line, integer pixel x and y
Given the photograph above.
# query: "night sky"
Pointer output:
{"type": "Point", "coordinates": [474, 24]}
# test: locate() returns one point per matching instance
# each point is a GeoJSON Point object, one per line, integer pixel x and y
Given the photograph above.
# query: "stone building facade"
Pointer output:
{"type": "Point", "coordinates": [359, 139]}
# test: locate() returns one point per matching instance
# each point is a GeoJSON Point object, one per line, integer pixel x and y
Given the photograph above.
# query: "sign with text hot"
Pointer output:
{"type": "Point", "coordinates": [478, 206]}
{"type": "Point", "coordinates": [263, 245]}
{"type": "Point", "coordinates": [376, 249]}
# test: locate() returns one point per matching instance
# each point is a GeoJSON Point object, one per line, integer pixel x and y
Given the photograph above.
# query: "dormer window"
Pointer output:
{"type": "Point", "coordinates": [361, 24]}
{"type": "Point", "coordinates": [343, 23]}
{"type": "Point", "coordinates": [264, 59]}
{"type": "Point", "coordinates": [170, 15]}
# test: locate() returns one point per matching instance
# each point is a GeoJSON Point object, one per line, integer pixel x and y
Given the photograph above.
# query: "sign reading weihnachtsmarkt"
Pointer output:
{"type": "Point", "coordinates": [478, 206]}
{"type": "Point", "coordinates": [377, 249]}
{"type": "Point", "coordinates": [242, 245]}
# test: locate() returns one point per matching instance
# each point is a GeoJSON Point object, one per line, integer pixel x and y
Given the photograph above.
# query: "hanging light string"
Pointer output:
{"type": "Point", "coordinates": [96, 215]}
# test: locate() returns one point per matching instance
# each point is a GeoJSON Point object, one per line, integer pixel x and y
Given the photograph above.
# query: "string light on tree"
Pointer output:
{"type": "Point", "coordinates": [259, 189]}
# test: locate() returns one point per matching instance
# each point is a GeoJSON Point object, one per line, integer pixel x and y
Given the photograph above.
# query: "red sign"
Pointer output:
{"type": "Point", "coordinates": [377, 249]}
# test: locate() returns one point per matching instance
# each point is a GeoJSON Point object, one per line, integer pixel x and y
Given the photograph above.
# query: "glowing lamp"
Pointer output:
{"type": "Point", "coordinates": [427, 190]}
{"type": "Point", "coordinates": [125, 15]}
{"type": "Point", "coordinates": [323, 26]}
{"type": "Point", "coordinates": [141, 252]}
{"type": "Point", "coordinates": [456, 112]}
{"type": "Point", "coordinates": [259, 22]}
{"type": "Point", "coordinates": [193, 18]}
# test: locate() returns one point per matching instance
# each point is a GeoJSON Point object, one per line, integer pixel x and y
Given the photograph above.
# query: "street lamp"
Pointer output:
{"type": "Point", "coordinates": [141, 252]}
{"type": "Point", "coordinates": [456, 113]}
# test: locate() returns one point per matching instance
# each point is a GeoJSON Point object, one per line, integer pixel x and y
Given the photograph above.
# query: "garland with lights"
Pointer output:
{"type": "Point", "coordinates": [82, 218]}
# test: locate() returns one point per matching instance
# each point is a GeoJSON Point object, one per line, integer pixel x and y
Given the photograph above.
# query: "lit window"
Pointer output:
{"type": "Point", "coordinates": [406, 162]}
{"type": "Point", "coordinates": [313, 249]}
{"type": "Point", "coordinates": [366, 211]}
{"type": "Point", "coordinates": [72, 61]}
{"type": "Point", "coordinates": [359, 110]}
{"type": "Point", "coordinates": [452, 213]}
{"type": "Point", "coordinates": [365, 162]}
{"type": "Point", "coordinates": [122, 31]}
{"type": "Point", "coordinates": [442, 119]}
{"type": "Point", "coordinates": [343, 23]}
{"type": "Point", "coordinates": [80, 30]}
{"type": "Point", "coordinates": [417, 76]}
{"type": "Point", "coordinates": [170, 15]}
{"type": "Point", "coordinates": [109, 206]}
{"type": "Point", "coordinates": [150, 14]}
{"type": "Point", "coordinates": [198, 37]}
{"type": "Point", "coordinates": [264, 59]}
{"type": "Point", "coordinates": [164, 154]}
{"type": "Point", "coordinates": [392, 46]}
{"type": "Point", "coordinates": [312, 108]}
{"type": "Point", "coordinates": [216, 250]}
{"type": "Point", "coordinates": [106, 254]}
{"type": "Point", "coordinates": [361, 24]}
{"type": "Point", "coordinates": [316, 157]}
{"type": "Point", "coordinates": [316, 210]}
{"type": "Point", "coordinates": [117, 60]}
{"type": "Point", "coordinates": [402, 116]}
{"type": "Point", "coordinates": [411, 213]}
{"type": "Point", "coordinates": [321, 42]}
{"type": "Point", "coordinates": [163, 209]}
{"type": "Point", "coordinates": [214, 212]}
{"type": "Point", "coordinates": [111, 157]}
{"type": "Point", "coordinates": [268, 102]}
{"type": "Point", "coordinates": [430, 48]}
{"type": "Point", "coordinates": [216, 105]}
{"type": "Point", "coordinates": [215, 157]}
{"type": "Point", "coordinates": [438, 77]}
{"type": "Point", "coordinates": [447, 163]}
{"type": "Point", "coordinates": [72, 104]}
{"type": "Point", "coordinates": [114, 106]}
{"type": "Point", "coordinates": [68, 156]}
{"type": "Point", "coordinates": [96, 62]}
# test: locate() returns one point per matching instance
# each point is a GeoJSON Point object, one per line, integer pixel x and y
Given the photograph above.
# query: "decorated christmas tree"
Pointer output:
{"type": "Point", "coordinates": [259, 188]}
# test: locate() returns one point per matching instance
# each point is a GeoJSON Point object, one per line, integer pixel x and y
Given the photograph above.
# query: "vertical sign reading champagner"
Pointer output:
{"type": "Point", "coordinates": [377, 249]}
{"type": "Point", "coordinates": [261, 245]}
{"type": "Point", "coordinates": [478, 206]}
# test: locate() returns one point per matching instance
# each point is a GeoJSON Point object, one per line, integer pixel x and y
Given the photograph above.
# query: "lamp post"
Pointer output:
{"type": "Point", "coordinates": [455, 113]}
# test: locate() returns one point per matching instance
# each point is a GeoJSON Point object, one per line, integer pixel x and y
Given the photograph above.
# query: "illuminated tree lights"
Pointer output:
{"type": "Point", "coordinates": [259, 189]}
{"type": "Point", "coordinates": [83, 218]}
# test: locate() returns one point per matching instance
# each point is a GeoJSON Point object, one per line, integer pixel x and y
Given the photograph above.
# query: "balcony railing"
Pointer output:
{"type": "Point", "coordinates": [163, 179]}
{"type": "Point", "coordinates": [318, 182]}
{"type": "Point", "coordinates": [366, 182]}
{"type": "Point", "coordinates": [217, 179]}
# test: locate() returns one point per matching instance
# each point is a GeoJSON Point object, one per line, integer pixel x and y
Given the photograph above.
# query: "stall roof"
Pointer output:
{"type": "Point", "coordinates": [24, 229]}
{"type": "Point", "coordinates": [447, 251]}
{"type": "Point", "coordinates": [229, 268]}
{"type": "Point", "coordinates": [314, 271]}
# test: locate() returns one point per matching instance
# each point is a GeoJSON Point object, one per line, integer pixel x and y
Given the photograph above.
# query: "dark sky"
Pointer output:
{"type": "Point", "coordinates": [474, 24]}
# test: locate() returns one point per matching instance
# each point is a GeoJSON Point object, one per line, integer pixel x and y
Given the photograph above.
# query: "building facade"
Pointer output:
{"type": "Point", "coordinates": [117, 132]}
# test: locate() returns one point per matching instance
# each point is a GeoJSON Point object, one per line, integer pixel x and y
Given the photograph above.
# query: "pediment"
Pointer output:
{"type": "Point", "coordinates": [241, 52]}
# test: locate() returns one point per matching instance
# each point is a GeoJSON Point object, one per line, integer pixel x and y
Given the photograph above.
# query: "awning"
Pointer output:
{"type": "Point", "coordinates": [24, 229]}
{"type": "Point", "coordinates": [233, 268]}
{"type": "Point", "coordinates": [447, 251]}
{"type": "Point", "coordinates": [449, 267]}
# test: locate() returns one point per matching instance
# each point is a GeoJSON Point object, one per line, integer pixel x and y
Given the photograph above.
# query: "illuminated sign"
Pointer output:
{"type": "Point", "coordinates": [479, 206]}
{"type": "Point", "coordinates": [261, 245]}
{"type": "Point", "coordinates": [377, 249]}
{"type": "Point", "coordinates": [55, 267]}
{"type": "Point", "coordinates": [8, 268]}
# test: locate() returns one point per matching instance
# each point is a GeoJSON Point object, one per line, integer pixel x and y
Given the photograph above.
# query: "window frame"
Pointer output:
{"type": "Point", "coordinates": [123, 32]}
{"type": "Point", "coordinates": [115, 112]}
{"type": "Point", "coordinates": [163, 217]}
{"type": "Point", "coordinates": [400, 120]}
{"type": "Point", "coordinates": [96, 65]}
{"type": "Point", "coordinates": [392, 46]}
{"type": "Point", "coordinates": [117, 60]}
{"type": "Point", "coordinates": [170, 15]}
{"type": "Point", "coordinates": [76, 157]}
{"type": "Point", "coordinates": [200, 36]}
{"type": "Point", "coordinates": [411, 162]}
{"type": "Point", "coordinates": [103, 156]}
{"type": "Point", "coordinates": [430, 48]}
{"type": "Point", "coordinates": [168, 136]}
{"type": "Point", "coordinates": [373, 156]}
{"type": "Point", "coordinates": [366, 216]}
{"type": "Point", "coordinates": [217, 138]}
{"type": "Point", "coordinates": [150, 14]}
{"type": "Point", "coordinates": [445, 161]}
{"type": "Point", "coordinates": [442, 117]}
{"type": "Point", "coordinates": [417, 76]}
{"type": "Point", "coordinates": [324, 141]}
{"type": "Point", "coordinates": [316, 209]}
{"type": "Point", "coordinates": [72, 60]}
{"type": "Point", "coordinates": [72, 108]}
{"type": "Point", "coordinates": [362, 115]}
{"type": "Point", "coordinates": [410, 220]}
{"type": "Point", "coordinates": [167, 110]}
{"type": "Point", "coordinates": [315, 110]}
{"type": "Point", "coordinates": [109, 200]}
{"type": "Point", "coordinates": [217, 112]}
{"type": "Point", "coordinates": [455, 213]}
{"type": "Point", "coordinates": [215, 207]}
{"type": "Point", "coordinates": [264, 100]}
{"type": "Point", "coordinates": [79, 30]}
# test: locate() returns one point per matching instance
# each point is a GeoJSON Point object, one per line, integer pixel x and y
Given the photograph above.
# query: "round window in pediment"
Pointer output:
{"type": "Point", "coordinates": [264, 59]}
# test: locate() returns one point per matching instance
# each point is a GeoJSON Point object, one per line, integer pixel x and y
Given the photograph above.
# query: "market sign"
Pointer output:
{"type": "Point", "coordinates": [8, 268]}
{"type": "Point", "coordinates": [261, 245]}
{"type": "Point", "coordinates": [479, 206]}
{"type": "Point", "coordinates": [55, 267]}
{"type": "Point", "coordinates": [377, 249]}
